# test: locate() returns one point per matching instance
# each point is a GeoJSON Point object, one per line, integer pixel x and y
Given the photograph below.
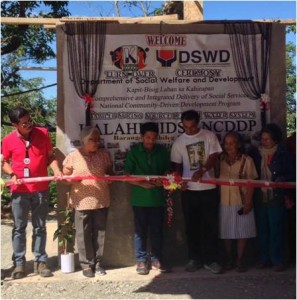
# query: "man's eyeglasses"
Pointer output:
{"type": "Point", "coordinates": [26, 124]}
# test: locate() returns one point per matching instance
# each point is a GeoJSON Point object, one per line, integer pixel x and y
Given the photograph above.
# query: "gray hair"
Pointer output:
{"type": "Point", "coordinates": [87, 132]}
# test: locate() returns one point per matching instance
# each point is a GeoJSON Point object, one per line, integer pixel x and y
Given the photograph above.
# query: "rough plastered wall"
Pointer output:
{"type": "Point", "coordinates": [119, 248]}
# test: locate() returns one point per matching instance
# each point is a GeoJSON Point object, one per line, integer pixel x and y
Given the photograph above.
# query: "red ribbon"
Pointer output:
{"type": "Point", "coordinates": [230, 182]}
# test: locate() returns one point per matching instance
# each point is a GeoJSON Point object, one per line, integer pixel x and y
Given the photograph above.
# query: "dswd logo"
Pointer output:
{"type": "Point", "coordinates": [129, 58]}
{"type": "Point", "coordinates": [166, 57]}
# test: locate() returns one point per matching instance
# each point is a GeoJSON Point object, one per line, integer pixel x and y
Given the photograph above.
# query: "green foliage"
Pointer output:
{"type": "Point", "coordinates": [136, 8]}
{"type": "Point", "coordinates": [291, 83]}
{"type": "Point", "coordinates": [52, 190]}
{"type": "Point", "coordinates": [42, 111]}
{"type": "Point", "coordinates": [158, 11]}
{"type": "Point", "coordinates": [23, 43]}
{"type": "Point", "coordinates": [291, 29]}
{"type": "Point", "coordinates": [66, 231]}
{"type": "Point", "coordinates": [5, 195]}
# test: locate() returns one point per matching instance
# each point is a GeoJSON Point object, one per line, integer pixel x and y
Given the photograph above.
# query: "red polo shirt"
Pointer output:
{"type": "Point", "coordinates": [14, 150]}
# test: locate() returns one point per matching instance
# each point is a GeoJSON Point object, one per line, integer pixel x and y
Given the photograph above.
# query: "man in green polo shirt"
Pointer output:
{"type": "Point", "coordinates": [147, 197]}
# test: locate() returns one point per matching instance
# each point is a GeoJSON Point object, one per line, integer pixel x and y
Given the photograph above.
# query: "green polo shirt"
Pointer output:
{"type": "Point", "coordinates": [141, 162]}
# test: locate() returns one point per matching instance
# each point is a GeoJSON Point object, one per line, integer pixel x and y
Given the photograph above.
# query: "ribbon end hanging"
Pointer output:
{"type": "Point", "coordinates": [88, 101]}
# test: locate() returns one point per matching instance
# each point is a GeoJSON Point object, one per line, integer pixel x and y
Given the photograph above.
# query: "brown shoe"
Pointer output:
{"type": "Point", "coordinates": [142, 268]}
{"type": "Point", "coordinates": [41, 269]}
{"type": "Point", "coordinates": [18, 272]}
{"type": "Point", "coordinates": [88, 272]}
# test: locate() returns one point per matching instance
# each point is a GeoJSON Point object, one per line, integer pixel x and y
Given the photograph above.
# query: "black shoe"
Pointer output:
{"type": "Point", "coordinates": [142, 268]}
{"type": "Point", "coordinates": [18, 272]}
{"type": "Point", "coordinates": [192, 266]}
{"type": "Point", "coordinates": [88, 272]}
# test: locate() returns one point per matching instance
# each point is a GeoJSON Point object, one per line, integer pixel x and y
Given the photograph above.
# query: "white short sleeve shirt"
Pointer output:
{"type": "Point", "coordinates": [192, 151]}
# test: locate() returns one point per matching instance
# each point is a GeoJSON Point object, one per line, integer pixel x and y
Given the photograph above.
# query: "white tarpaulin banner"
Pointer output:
{"type": "Point", "coordinates": [155, 78]}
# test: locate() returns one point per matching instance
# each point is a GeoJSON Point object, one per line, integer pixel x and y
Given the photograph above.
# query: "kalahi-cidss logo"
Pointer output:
{"type": "Point", "coordinates": [129, 58]}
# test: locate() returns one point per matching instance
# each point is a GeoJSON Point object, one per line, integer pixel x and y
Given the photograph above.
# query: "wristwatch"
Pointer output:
{"type": "Point", "coordinates": [12, 174]}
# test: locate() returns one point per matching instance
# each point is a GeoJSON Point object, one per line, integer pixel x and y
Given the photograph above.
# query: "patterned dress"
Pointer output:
{"type": "Point", "coordinates": [89, 194]}
{"type": "Point", "coordinates": [233, 225]}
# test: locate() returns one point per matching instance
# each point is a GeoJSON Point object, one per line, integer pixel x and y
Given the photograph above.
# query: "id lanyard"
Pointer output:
{"type": "Point", "coordinates": [27, 160]}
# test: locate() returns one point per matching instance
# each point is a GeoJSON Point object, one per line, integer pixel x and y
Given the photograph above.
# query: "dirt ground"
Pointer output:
{"type": "Point", "coordinates": [124, 283]}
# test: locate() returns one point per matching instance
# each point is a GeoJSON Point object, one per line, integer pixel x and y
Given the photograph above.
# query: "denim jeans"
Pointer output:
{"type": "Point", "coordinates": [21, 205]}
{"type": "Point", "coordinates": [148, 222]}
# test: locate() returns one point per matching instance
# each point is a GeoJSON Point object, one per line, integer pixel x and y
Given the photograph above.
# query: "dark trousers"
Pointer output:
{"type": "Point", "coordinates": [292, 233]}
{"type": "Point", "coordinates": [270, 220]}
{"type": "Point", "coordinates": [148, 222]}
{"type": "Point", "coordinates": [90, 228]}
{"type": "Point", "coordinates": [200, 210]}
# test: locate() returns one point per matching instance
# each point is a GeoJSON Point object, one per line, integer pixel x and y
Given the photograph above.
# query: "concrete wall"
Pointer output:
{"type": "Point", "coordinates": [119, 249]}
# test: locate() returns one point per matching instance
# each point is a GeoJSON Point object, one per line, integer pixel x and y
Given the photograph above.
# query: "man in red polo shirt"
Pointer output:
{"type": "Point", "coordinates": [27, 152]}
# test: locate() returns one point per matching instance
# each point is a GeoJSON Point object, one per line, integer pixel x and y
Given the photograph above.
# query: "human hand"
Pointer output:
{"type": "Point", "coordinates": [65, 178]}
{"type": "Point", "coordinates": [147, 185]}
{"type": "Point", "coordinates": [15, 179]}
{"type": "Point", "coordinates": [247, 207]}
{"type": "Point", "coordinates": [58, 175]}
{"type": "Point", "coordinates": [184, 186]}
{"type": "Point", "coordinates": [197, 175]}
{"type": "Point", "coordinates": [107, 180]}
{"type": "Point", "coordinates": [156, 181]}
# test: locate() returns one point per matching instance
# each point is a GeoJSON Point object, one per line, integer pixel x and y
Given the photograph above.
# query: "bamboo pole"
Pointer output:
{"type": "Point", "coordinates": [50, 22]}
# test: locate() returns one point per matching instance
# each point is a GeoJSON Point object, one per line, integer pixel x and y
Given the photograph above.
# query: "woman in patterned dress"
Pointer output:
{"type": "Point", "coordinates": [237, 221]}
{"type": "Point", "coordinates": [90, 199]}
